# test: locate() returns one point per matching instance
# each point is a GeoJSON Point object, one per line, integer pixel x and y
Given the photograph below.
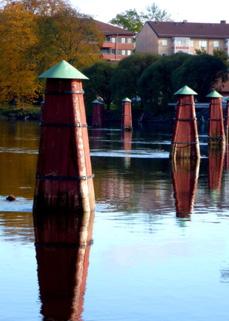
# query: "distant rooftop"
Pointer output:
{"type": "Point", "coordinates": [190, 29]}
{"type": "Point", "coordinates": [110, 30]}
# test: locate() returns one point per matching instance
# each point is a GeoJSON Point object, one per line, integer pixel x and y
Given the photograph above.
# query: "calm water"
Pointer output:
{"type": "Point", "coordinates": [149, 259]}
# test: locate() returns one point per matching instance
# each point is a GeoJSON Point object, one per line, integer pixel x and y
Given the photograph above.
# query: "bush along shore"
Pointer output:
{"type": "Point", "coordinates": [20, 113]}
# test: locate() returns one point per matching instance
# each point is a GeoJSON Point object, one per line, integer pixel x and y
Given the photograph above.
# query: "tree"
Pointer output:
{"type": "Point", "coordinates": [134, 21]}
{"type": "Point", "coordinates": [155, 85]}
{"type": "Point", "coordinates": [67, 36]}
{"type": "Point", "coordinates": [200, 72]}
{"type": "Point", "coordinates": [35, 34]}
{"type": "Point", "coordinates": [99, 84]}
{"type": "Point", "coordinates": [17, 68]}
{"type": "Point", "coordinates": [154, 13]}
{"type": "Point", "coordinates": [46, 7]}
{"type": "Point", "coordinates": [222, 55]}
{"type": "Point", "coordinates": [130, 20]}
{"type": "Point", "coordinates": [129, 70]}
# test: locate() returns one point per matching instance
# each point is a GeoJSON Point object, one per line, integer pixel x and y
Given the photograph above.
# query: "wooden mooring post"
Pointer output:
{"type": "Point", "coordinates": [64, 174]}
{"type": "Point", "coordinates": [97, 113]}
{"type": "Point", "coordinates": [227, 122]}
{"type": "Point", "coordinates": [216, 132]}
{"type": "Point", "coordinates": [126, 114]}
{"type": "Point", "coordinates": [185, 141]}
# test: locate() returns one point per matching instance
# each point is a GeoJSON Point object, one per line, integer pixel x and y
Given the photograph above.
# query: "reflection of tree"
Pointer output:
{"type": "Point", "coordinates": [145, 186]}
{"type": "Point", "coordinates": [19, 142]}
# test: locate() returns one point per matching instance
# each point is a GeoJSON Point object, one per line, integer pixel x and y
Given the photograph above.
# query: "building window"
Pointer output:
{"type": "Point", "coordinates": [113, 39]}
{"type": "Point", "coordinates": [182, 42]}
{"type": "Point", "coordinates": [128, 52]}
{"type": "Point", "coordinates": [129, 40]}
{"type": "Point", "coordinates": [123, 40]}
{"type": "Point", "coordinates": [203, 44]}
{"type": "Point", "coordinates": [123, 53]}
{"type": "Point", "coordinates": [216, 44]}
{"type": "Point", "coordinates": [164, 42]}
{"type": "Point", "coordinates": [191, 43]}
{"type": "Point", "coordinates": [105, 50]}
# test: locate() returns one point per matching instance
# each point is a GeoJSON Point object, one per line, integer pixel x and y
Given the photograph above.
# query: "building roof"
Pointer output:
{"type": "Point", "coordinates": [110, 30]}
{"type": "Point", "coordinates": [191, 29]}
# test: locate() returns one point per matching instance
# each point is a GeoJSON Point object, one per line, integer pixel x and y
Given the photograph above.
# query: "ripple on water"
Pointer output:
{"type": "Point", "coordinates": [21, 204]}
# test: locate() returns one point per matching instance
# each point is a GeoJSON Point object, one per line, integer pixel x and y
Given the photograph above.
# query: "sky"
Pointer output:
{"type": "Point", "coordinates": [192, 11]}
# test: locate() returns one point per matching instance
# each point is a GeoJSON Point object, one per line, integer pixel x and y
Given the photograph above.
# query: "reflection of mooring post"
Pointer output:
{"type": "Point", "coordinates": [185, 142]}
{"type": "Point", "coordinates": [216, 131]}
{"type": "Point", "coordinates": [227, 157]}
{"type": "Point", "coordinates": [215, 168]}
{"type": "Point", "coordinates": [126, 114]}
{"type": "Point", "coordinates": [64, 174]}
{"type": "Point", "coordinates": [97, 113]}
{"type": "Point", "coordinates": [63, 239]}
{"type": "Point", "coordinates": [227, 121]}
{"type": "Point", "coordinates": [185, 174]}
{"type": "Point", "coordinates": [127, 146]}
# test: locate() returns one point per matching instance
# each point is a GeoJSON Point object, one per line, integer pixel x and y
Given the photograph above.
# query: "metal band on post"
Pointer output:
{"type": "Point", "coordinates": [64, 178]}
{"type": "Point", "coordinates": [45, 124]}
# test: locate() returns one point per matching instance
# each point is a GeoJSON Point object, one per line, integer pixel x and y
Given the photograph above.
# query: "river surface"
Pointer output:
{"type": "Point", "coordinates": [149, 259]}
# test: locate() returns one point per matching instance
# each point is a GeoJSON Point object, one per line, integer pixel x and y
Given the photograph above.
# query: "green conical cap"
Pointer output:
{"type": "Point", "coordinates": [185, 91]}
{"type": "Point", "coordinates": [62, 70]}
{"type": "Point", "coordinates": [126, 100]}
{"type": "Point", "coordinates": [214, 94]}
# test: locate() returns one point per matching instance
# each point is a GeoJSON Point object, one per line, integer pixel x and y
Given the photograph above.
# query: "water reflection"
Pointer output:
{"type": "Point", "coordinates": [138, 243]}
{"type": "Point", "coordinates": [215, 169]}
{"type": "Point", "coordinates": [227, 157]}
{"type": "Point", "coordinates": [185, 174]}
{"type": "Point", "coordinates": [144, 186]}
{"type": "Point", "coordinates": [127, 146]}
{"type": "Point", "coordinates": [63, 242]}
{"type": "Point", "coordinates": [19, 143]}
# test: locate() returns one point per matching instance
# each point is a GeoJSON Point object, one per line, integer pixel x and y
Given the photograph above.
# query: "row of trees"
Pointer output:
{"type": "Point", "coordinates": [35, 34]}
{"type": "Point", "coordinates": [154, 78]}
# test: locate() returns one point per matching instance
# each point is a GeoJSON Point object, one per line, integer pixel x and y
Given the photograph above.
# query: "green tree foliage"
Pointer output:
{"type": "Point", "coordinates": [127, 74]}
{"type": "Point", "coordinates": [133, 21]}
{"type": "Point", "coordinates": [130, 20]}
{"type": "Point", "coordinates": [99, 84]}
{"type": "Point", "coordinates": [155, 84]}
{"type": "Point", "coordinates": [200, 72]}
{"type": "Point", "coordinates": [222, 55]}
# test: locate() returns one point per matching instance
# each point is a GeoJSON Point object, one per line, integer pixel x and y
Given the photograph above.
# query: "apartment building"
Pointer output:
{"type": "Point", "coordinates": [166, 38]}
{"type": "Point", "coordinates": [118, 43]}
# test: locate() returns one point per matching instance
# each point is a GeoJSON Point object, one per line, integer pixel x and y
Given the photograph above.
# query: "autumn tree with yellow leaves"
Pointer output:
{"type": "Point", "coordinates": [35, 34]}
{"type": "Point", "coordinates": [17, 69]}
